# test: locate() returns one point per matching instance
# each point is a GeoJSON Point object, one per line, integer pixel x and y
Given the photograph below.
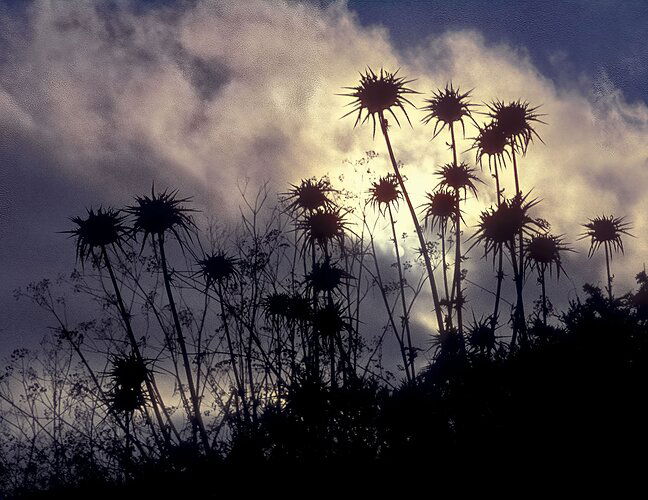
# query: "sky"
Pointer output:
{"type": "Point", "coordinates": [100, 99]}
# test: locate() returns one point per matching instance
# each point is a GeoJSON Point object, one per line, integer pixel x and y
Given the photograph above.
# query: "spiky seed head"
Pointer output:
{"type": "Point", "coordinates": [459, 178]}
{"type": "Point", "coordinates": [276, 306]}
{"type": "Point", "coordinates": [385, 192]}
{"type": "Point", "coordinates": [218, 268]}
{"type": "Point", "coordinates": [309, 195]}
{"type": "Point", "coordinates": [326, 277]}
{"type": "Point", "coordinates": [499, 226]}
{"type": "Point", "coordinates": [161, 212]}
{"type": "Point", "coordinates": [329, 320]}
{"type": "Point", "coordinates": [102, 228]}
{"type": "Point", "coordinates": [481, 334]}
{"type": "Point", "coordinates": [516, 119]}
{"type": "Point", "coordinates": [440, 208]}
{"type": "Point", "coordinates": [378, 93]}
{"type": "Point", "coordinates": [543, 251]}
{"type": "Point", "coordinates": [127, 373]}
{"type": "Point", "coordinates": [447, 107]}
{"type": "Point", "coordinates": [299, 309]}
{"type": "Point", "coordinates": [607, 231]}
{"type": "Point", "coordinates": [322, 227]}
{"type": "Point", "coordinates": [448, 343]}
{"type": "Point", "coordinates": [491, 142]}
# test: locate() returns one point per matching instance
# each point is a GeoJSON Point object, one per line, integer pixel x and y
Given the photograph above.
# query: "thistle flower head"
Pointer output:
{"type": "Point", "coordinates": [299, 308]}
{"type": "Point", "coordinates": [276, 306]}
{"type": "Point", "coordinates": [378, 93]}
{"type": "Point", "coordinates": [499, 226]}
{"type": "Point", "coordinates": [459, 178]}
{"type": "Point", "coordinates": [385, 192]}
{"type": "Point", "coordinates": [544, 251]}
{"type": "Point", "coordinates": [480, 334]}
{"type": "Point", "coordinates": [159, 213]}
{"type": "Point", "coordinates": [448, 343]}
{"type": "Point", "coordinates": [516, 119]}
{"type": "Point", "coordinates": [326, 277]}
{"type": "Point", "coordinates": [322, 227]}
{"type": "Point", "coordinates": [606, 231]}
{"type": "Point", "coordinates": [329, 320]}
{"type": "Point", "coordinates": [127, 373]}
{"type": "Point", "coordinates": [309, 195]}
{"type": "Point", "coordinates": [440, 208]}
{"type": "Point", "coordinates": [447, 107]}
{"type": "Point", "coordinates": [218, 268]}
{"type": "Point", "coordinates": [491, 141]}
{"type": "Point", "coordinates": [99, 229]}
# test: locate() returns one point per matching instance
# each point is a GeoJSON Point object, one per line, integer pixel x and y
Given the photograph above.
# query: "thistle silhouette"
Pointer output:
{"type": "Point", "coordinates": [98, 233]}
{"type": "Point", "coordinates": [460, 178]}
{"type": "Point", "coordinates": [310, 195]}
{"type": "Point", "coordinates": [322, 227]}
{"type": "Point", "coordinates": [606, 231]}
{"type": "Point", "coordinates": [384, 195]}
{"type": "Point", "coordinates": [543, 252]}
{"type": "Point", "coordinates": [497, 231]}
{"type": "Point", "coordinates": [447, 107]}
{"type": "Point", "coordinates": [154, 217]}
{"type": "Point", "coordinates": [377, 95]}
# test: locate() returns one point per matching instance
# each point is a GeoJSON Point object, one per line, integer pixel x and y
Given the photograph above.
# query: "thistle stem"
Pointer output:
{"type": "Point", "coordinates": [183, 347]}
{"type": "Point", "coordinates": [457, 268]}
{"type": "Point", "coordinates": [544, 294]}
{"type": "Point", "coordinates": [410, 353]}
{"type": "Point", "coordinates": [417, 225]}
{"type": "Point", "coordinates": [609, 274]}
{"type": "Point", "coordinates": [151, 386]}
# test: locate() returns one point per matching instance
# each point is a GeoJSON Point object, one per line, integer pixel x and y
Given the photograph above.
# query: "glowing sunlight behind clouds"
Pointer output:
{"type": "Point", "coordinates": [199, 97]}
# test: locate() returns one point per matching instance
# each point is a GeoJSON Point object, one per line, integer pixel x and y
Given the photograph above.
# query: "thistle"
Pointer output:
{"type": "Point", "coordinates": [326, 277]}
{"type": "Point", "coordinates": [155, 216]}
{"type": "Point", "coordinates": [128, 373]}
{"type": "Point", "coordinates": [218, 268]}
{"type": "Point", "coordinates": [377, 94]}
{"type": "Point", "coordinates": [322, 227]}
{"type": "Point", "coordinates": [458, 178]}
{"type": "Point", "coordinates": [385, 193]}
{"type": "Point", "coordinates": [481, 335]}
{"type": "Point", "coordinates": [98, 231]}
{"type": "Point", "coordinates": [516, 119]}
{"type": "Point", "coordinates": [542, 252]}
{"type": "Point", "coordinates": [310, 195]}
{"type": "Point", "coordinates": [499, 226]}
{"type": "Point", "coordinates": [606, 231]}
{"type": "Point", "coordinates": [447, 107]}
{"type": "Point", "coordinates": [276, 306]}
{"type": "Point", "coordinates": [160, 213]}
{"type": "Point", "coordinates": [440, 209]}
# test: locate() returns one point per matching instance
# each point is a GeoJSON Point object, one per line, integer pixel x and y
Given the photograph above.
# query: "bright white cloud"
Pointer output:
{"type": "Point", "coordinates": [201, 97]}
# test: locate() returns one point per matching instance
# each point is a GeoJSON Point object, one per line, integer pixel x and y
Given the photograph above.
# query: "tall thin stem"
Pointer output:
{"type": "Point", "coordinates": [544, 294]}
{"type": "Point", "coordinates": [457, 267]}
{"type": "Point", "coordinates": [417, 225]}
{"type": "Point", "coordinates": [151, 386]}
{"type": "Point", "coordinates": [195, 402]}
{"type": "Point", "coordinates": [410, 352]}
{"type": "Point", "coordinates": [609, 274]}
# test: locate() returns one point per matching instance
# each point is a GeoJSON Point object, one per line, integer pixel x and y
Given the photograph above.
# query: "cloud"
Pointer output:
{"type": "Point", "coordinates": [97, 100]}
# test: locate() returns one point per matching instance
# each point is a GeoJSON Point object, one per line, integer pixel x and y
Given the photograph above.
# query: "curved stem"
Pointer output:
{"type": "Point", "coordinates": [417, 225]}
